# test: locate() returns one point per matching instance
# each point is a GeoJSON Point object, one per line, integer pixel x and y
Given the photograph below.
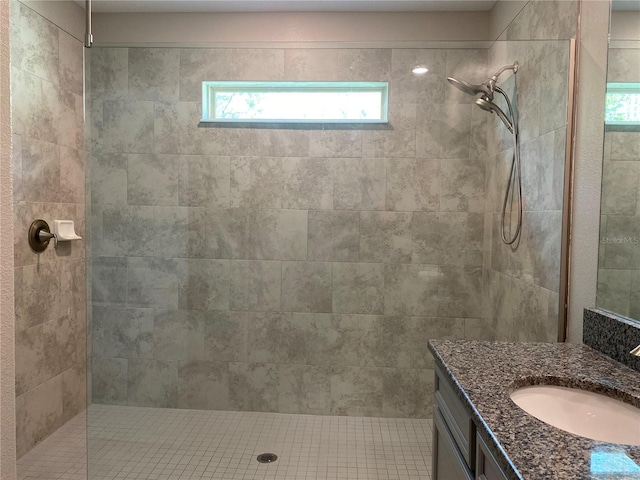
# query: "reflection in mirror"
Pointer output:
{"type": "Point", "coordinates": [619, 262]}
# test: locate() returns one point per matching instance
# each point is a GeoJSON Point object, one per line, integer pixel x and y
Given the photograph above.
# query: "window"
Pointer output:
{"type": "Point", "coordinates": [623, 104]}
{"type": "Point", "coordinates": [295, 102]}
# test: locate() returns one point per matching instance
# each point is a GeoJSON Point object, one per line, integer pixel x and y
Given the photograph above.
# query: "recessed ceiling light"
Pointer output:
{"type": "Point", "coordinates": [419, 70]}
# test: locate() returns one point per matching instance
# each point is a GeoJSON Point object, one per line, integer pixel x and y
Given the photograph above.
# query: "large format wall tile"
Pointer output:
{"type": "Point", "coordinates": [305, 269]}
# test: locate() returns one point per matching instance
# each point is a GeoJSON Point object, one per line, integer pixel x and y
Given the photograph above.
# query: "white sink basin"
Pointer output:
{"type": "Point", "coordinates": [581, 412]}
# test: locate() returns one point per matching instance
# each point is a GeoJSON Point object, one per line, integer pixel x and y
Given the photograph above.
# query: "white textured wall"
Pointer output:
{"type": "Point", "coordinates": [216, 28]}
{"type": "Point", "coordinates": [7, 357]}
{"type": "Point", "coordinates": [592, 77]}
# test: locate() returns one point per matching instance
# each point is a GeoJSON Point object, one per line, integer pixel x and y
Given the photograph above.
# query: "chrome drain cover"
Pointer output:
{"type": "Point", "coordinates": [267, 457]}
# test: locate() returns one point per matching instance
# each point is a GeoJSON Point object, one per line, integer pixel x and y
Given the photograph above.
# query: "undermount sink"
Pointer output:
{"type": "Point", "coordinates": [581, 412]}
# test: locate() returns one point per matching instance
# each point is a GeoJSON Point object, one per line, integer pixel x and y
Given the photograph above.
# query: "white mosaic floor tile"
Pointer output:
{"type": "Point", "coordinates": [133, 443]}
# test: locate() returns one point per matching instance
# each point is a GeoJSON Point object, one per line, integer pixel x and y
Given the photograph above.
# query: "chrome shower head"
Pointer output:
{"type": "Point", "coordinates": [486, 104]}
{"type": "Point", "coordinates": [468, 88]}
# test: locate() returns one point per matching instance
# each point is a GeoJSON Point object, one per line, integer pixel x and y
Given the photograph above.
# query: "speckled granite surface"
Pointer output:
{"type": "Point", "coordinates": [611, 334]}
{"type": "Point", "coordinates": [484, 373]}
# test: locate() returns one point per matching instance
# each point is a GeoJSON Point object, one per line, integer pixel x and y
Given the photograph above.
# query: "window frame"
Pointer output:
{"type": "Point", "coordinates": [209, 89]}
{"type": "Point", "coordinates": [622, 88]}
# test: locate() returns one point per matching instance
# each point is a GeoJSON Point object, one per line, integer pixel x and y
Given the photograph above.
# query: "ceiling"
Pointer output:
{"type": "Point", "coordinates": [148, 6]}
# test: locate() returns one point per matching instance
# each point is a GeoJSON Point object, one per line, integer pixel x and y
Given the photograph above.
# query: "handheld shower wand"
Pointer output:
{"type": "Point", "coordinates": [486, 91]}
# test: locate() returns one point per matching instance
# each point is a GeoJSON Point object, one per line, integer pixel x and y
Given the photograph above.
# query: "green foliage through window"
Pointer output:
{"type": "Point", "coordinates": [622, 105]}
{"type": "Point", "coordinates": [295, 102]}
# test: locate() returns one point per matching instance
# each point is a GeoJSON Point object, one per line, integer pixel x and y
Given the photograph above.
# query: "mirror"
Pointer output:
{"type": "Point", "coordinates": [619, 258]}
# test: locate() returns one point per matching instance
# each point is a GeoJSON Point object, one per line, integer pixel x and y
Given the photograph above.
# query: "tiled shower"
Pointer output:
{"type": "Point", "coordinates": [283, 269]}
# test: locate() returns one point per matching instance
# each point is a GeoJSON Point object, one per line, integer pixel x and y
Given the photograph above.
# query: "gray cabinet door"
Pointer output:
{"type": "Point", "coordinates": [448, 462]}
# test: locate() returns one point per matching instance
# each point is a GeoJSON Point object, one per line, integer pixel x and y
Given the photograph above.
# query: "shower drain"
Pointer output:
{"type": "Point", "coordinates": [267, 457]}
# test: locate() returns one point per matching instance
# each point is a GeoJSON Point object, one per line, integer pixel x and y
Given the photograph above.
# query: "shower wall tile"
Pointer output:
{"type": "Point", "coordinates": [443, 131]}
{"type": "Point", "coordinates": [152, 179]}
{"type": "Point", "coordinates": [408, 88]}
{"type": "Point", "coordinates": [413, 184]}
{"type": "Point", "coordinates": [109, 380]}
{"type": "Point", "coordinates": [336, 143]}
{"type": "Point", "coordinates": [174, 129]}
{"type": "Point", "coordinates": [305, 389]}
{"type": "Point", "coordinates": [256, 182]}
{"type": "Point", "coordinates": [203, 385]}
{"type": "Point", "coordinates": [554, 73]}
{"type": "Point", "coordinates": [179, 232]}
{"type": "Point", "coordinates": [154, 282]}
{"type": "Point", "coordinates": [462, 185]}
{"type": "Point", "coordinates": [122, 332]}
{"type": "Point", "coordinates": [300, 270]}
{"type": "Point", "coordinates": [311, 64]}
{"type": "Point", "coordinates": [255, 285]}
{"type": "Point", "coordinates": [624, 146]}
{"type": "Point", "coordinates": [126, 231]}
{"type": "Point", "coordinates": [72, 181]}
{"type": "Point", "coordinates": [623, 65]}
{"type": "Point", "coordinates": [178, 335]}
{"type": "Point", "coordinates": [407, 393]}
{"type": "Point", "coordinates": [70, 68]}
{"type": "Point", "coordinates": [202, 64]}
{"type": "Point", "coordinates": [356, 391]}
{"type": "Point", "coordinates": [152, 383]}
{"type": "Point", "coordinates": [360, 184]}
{"type": "Point", "coordinates": [411, 289]}
{"type": "Point", "coordinates": [613, 291]}
{"type": "Point", "coordinates": [154, 74]}
{"type": "Point", "coordinates": [107, 282]}
{"type": "Point", "coordinates": [205, 285]}
{"type": "Point", "coordinates": [464, 64]}
{"type": "Point", "coordinates": [204, 181]}
{"type": "Point", "coordinates": [34, 44]}
{"type": "Point", "coordinates": [26, 95]}
{"type": "Point", "coordinates": [423, 329]}
{"type": "Point", "coordinates": [226, 336]}
{"type": "Point", "coordinates": [397, 141]}
{"type": "Point", "coordinates": [227, 233]}
{"type": "Point", "coordinates": [334, 339]}
{"type": "Point", "coordinates": [385, 341]}
{"type": "Point", "coordinates": [308, 183]}
{"type": "Point", "coordinates": [40, 170]}
{"type": "Point", "coordinates": [385, 237]}
{"type": "Point", "coordinates": [109, 74]}
{"type": "Point", "coordinates": [307, 287]}
{"type": "Point", "coordinates": [49, 183]}
{"type": "Point", "coordinates": [38, 294]}
{"type": "Point", "coordinates": [38, 413]}
{"type": "Point", "coordinates": [448, 238]}
{"type": "Point", "coordinates": [364, 64]}
{"type": "Point", "coordinates": [460, 291]}
{"type": "Point", "coordinates": [277, 338]}
{"type": "Point", "coordinates": [257, 63]}
{"type": "Point", "coordinates": [278, 234]}
{"type": "Point", "coordinates": [334, 236]}
{"type": "Point", "coordinates": [358, 288]}
{"type": "Point", "coordinates": [254, 387]}
{"type": "Point", "coordinates": [127, 127]}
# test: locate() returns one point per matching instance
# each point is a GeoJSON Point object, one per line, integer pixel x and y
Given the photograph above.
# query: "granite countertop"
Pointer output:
{"type": "Point", "coordinates": [484, 374]}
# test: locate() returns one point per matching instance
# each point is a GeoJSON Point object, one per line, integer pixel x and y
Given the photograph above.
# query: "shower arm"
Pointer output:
{"type": "Point", "coordinates": [88, 34]}
{"type": "Point", "coordinates": [494, 79]}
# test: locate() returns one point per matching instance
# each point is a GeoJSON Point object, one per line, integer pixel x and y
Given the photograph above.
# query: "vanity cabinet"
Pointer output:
{"type": "Point", "coordinates": [458, 451]}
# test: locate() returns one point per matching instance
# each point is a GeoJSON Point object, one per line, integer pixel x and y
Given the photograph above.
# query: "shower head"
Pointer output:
{"type": "Point", "coordinates": [470, 89]}
{"type": "Point", "coordinates": [486, 104]}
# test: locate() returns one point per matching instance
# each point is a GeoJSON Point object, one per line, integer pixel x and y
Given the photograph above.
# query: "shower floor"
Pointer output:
{"type": "Point", "coordinates": [128, 443]}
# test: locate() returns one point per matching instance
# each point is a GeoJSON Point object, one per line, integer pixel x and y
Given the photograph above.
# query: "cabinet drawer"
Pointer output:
{"type": "Point", "coordinates": [457, 418]}
{"type": "Point", "coordinates": [486, 466]}
{"type": "Point", "coordinates": [448, 463]}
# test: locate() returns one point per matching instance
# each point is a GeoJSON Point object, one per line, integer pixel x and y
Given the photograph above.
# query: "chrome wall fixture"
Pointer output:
{"type": "Point", "coordinates": [88, 35]}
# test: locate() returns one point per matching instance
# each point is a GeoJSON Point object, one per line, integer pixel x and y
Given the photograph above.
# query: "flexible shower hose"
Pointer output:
{"type": "Point", "coordinates": [515, 180]}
